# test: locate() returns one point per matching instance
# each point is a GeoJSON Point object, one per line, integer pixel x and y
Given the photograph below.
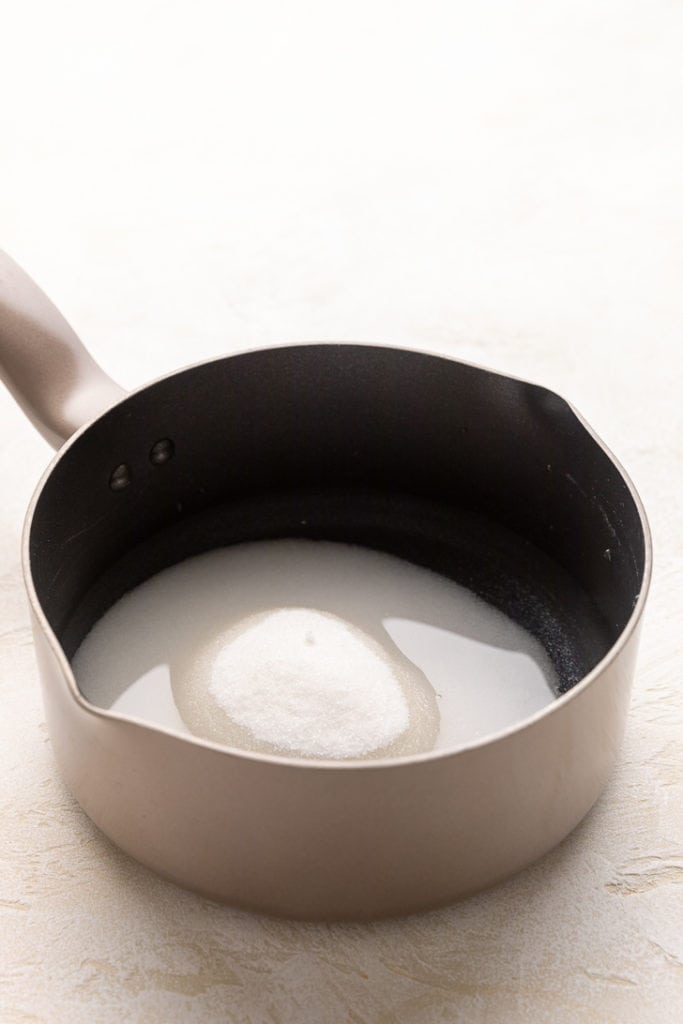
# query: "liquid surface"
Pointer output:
{"type": "Point", "coordinates": [313, 649]}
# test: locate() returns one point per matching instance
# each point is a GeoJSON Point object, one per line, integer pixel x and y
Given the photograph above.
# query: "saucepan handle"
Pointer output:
{"type": "Point", "coordinates": [53, 378]}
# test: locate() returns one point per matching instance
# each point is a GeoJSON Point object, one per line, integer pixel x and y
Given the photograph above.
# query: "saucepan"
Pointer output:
{"type": "Point", "coordinates": [491, 481]}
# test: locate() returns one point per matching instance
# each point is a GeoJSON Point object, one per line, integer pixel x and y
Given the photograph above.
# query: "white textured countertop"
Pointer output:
{"type": "Point", "coordinates": [501, 182]}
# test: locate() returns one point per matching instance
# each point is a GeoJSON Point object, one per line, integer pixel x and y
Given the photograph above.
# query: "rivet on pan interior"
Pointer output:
{"type": "Point", "coordinates": [161, 452]}
{"type": "Point", "coordinates": [120, 477]}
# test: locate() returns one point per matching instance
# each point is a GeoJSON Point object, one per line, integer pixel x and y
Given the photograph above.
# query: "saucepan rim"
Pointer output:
{"type": "Point", "coordinates": [298, 763]}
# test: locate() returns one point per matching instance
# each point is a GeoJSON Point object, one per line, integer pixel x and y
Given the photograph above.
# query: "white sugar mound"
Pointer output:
{"type": "Point", "coordinates": [297, 681]}
{"type": "Point", "coordinates": [309, 682]}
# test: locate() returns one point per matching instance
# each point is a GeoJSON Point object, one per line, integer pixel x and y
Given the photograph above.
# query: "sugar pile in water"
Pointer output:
{"type": "Point", "coordinates": [463, 668]}
{"type": "Point", "coordinates": [308, 683]}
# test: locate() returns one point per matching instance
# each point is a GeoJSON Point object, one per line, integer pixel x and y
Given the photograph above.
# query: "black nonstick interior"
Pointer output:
{"type": "Point", "coordinates": [490, 481]}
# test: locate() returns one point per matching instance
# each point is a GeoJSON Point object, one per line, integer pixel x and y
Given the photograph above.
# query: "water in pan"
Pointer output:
{"type": "Point", "coordinates": [313, 649]}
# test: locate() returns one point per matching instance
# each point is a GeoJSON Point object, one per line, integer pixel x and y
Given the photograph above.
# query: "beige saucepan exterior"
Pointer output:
{"type": "Point", "coordinates": [298, 838]}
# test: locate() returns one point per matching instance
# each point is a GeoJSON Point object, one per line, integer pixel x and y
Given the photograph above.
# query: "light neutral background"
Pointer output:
{"type": "Point", "coordinates": [499, 181]}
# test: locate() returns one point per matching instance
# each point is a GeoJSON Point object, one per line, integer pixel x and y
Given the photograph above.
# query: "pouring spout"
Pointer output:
{"type": "Point", "coordinates": [44, 364]}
